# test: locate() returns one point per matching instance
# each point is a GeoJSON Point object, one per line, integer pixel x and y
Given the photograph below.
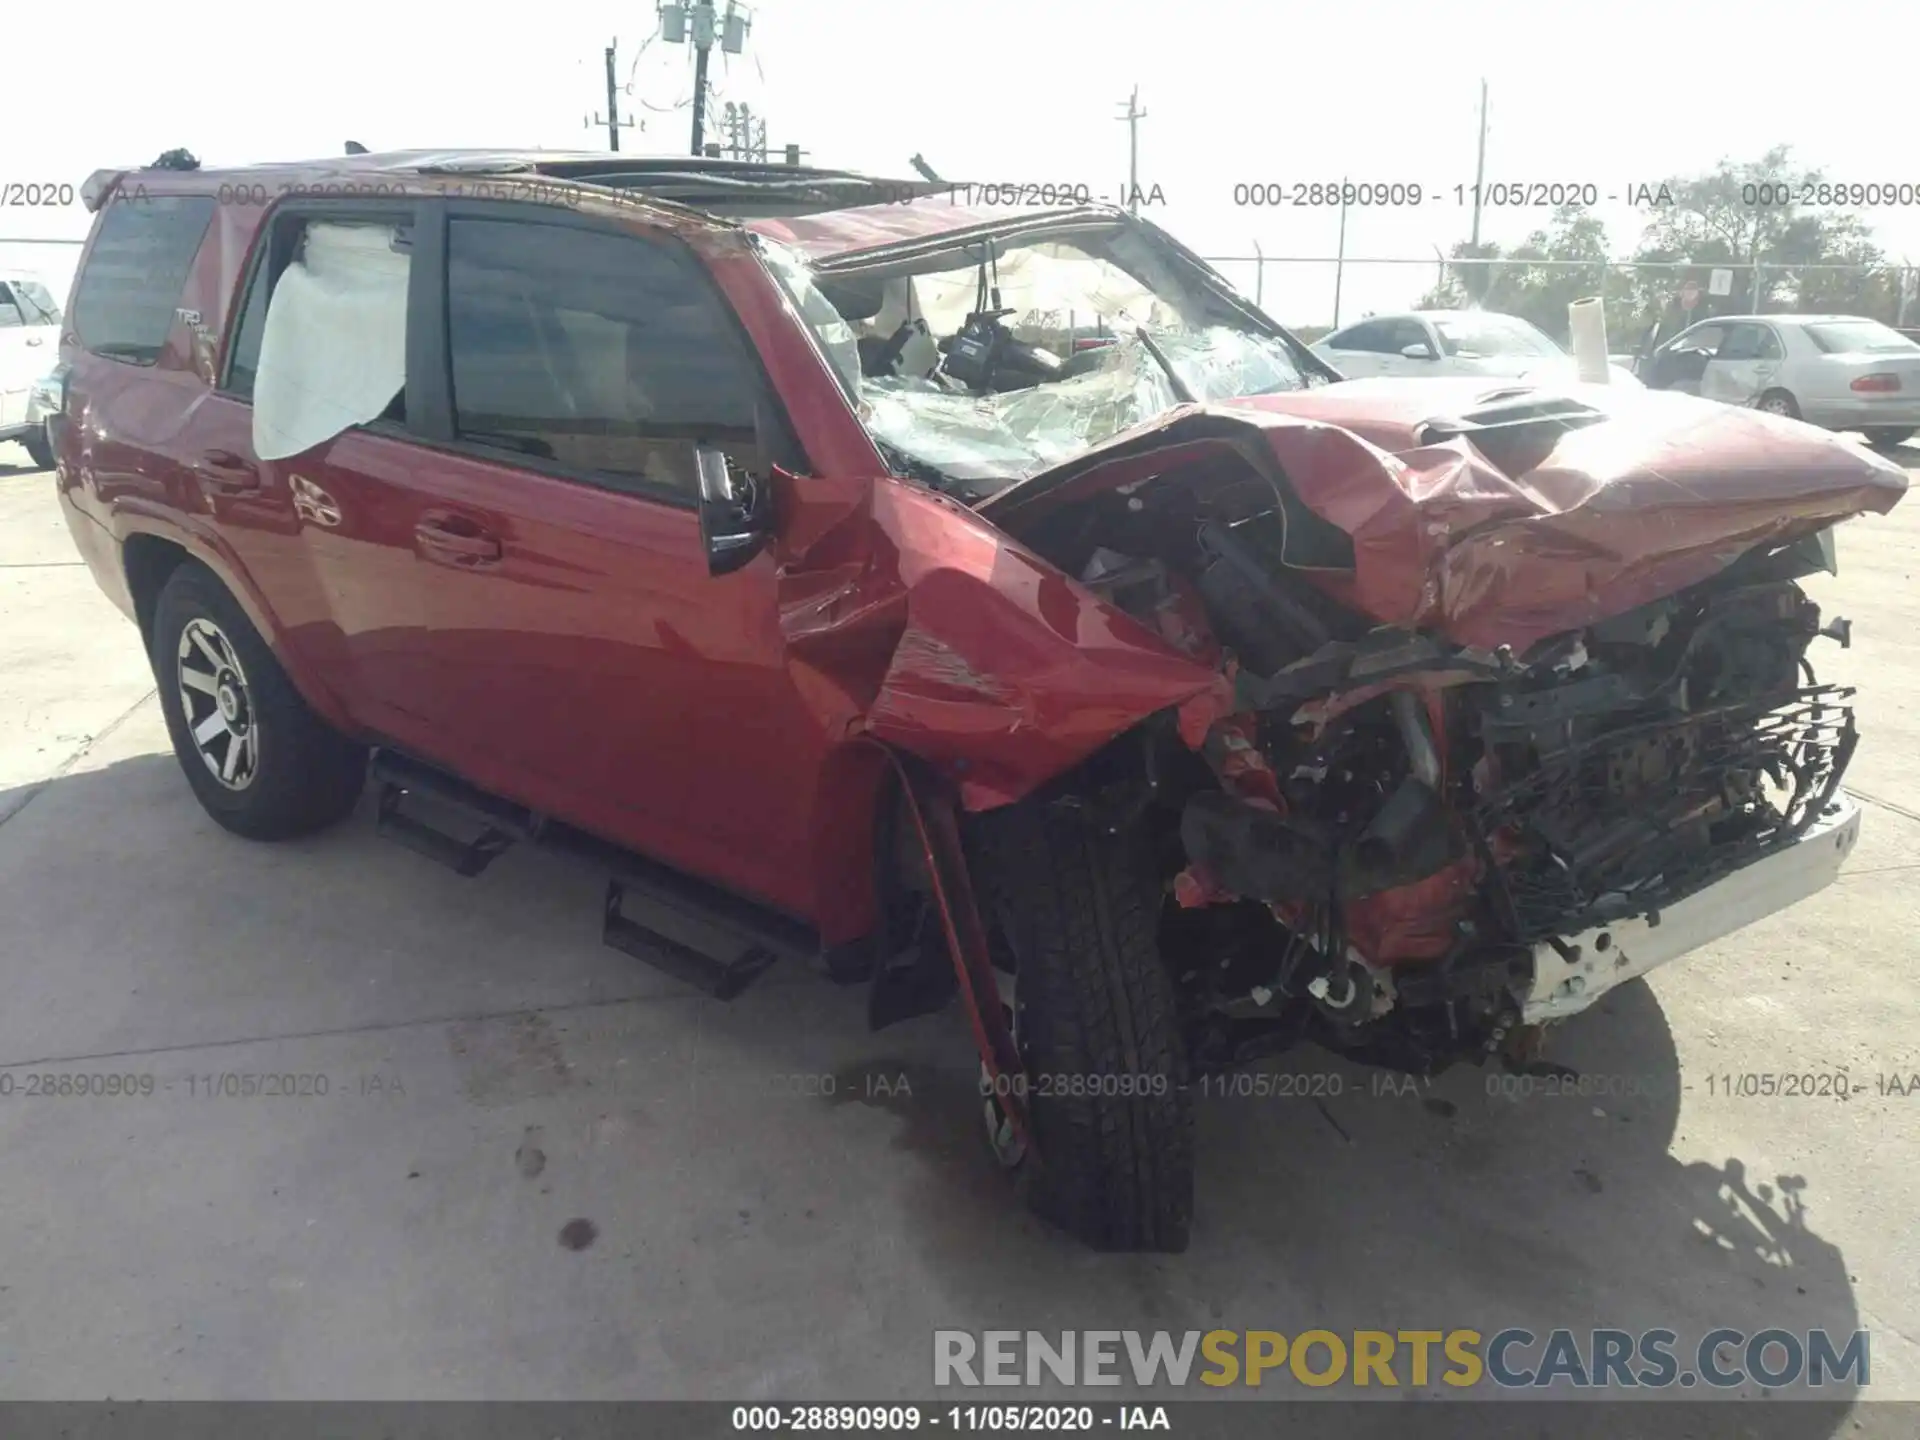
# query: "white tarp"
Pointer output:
{"type": "Point", "coordinates": [333, 353]}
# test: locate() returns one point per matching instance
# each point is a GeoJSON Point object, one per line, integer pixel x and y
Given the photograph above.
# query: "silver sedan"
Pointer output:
{"type": "Point", "coordinates": [1842, 372]}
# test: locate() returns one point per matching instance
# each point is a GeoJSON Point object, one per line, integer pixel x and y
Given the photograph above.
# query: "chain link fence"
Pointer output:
{"type": "Point", "coordinates": [1313, 295]}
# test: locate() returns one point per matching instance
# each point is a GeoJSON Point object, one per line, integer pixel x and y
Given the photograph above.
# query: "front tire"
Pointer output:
{"type": "Point", "coordinates": [1073, 901]}
{"type": "Point", "coordinates": [38, 450]}
{"type": "Point", "coordinates": [260, 762]}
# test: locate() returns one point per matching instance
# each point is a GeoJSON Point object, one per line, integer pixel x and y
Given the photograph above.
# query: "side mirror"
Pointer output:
{"type": "Point", "coordinates": [1419, 350]}
{"type": "Point", "coordinates": [736, 512]}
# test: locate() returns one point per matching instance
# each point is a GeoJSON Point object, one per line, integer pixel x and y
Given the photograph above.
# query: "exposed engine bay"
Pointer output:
{"type": "Point", "coordinates": [1367, 845]}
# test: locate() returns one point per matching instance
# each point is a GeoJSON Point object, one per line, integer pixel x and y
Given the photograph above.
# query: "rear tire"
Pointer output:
{"type": "Point", "coordinates": [1075, 903]}
{"type": "Point", "coordinates": [38, 450]}
{"type": "Point", "coordinates": [260, 762]}
{"type": "Point", "coordinates": [1885, 437]}
{"type": "Point", "coordinates": [1779, 402]}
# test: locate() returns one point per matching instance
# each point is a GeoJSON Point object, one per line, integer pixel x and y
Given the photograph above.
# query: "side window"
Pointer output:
{"type": "Point", "coordinates": [130, 288]}
{"type": "Point", "coordinates": [244, 361]}
{"type": "Point", "coordinates": [1370, 335]}
{"type": "Point", "coordinates": [1407, 332]}
{"type": "Point", "coordinates": [1742, 343]}
{"type": "Point", "coordinates": [604, 353]}
{"type": "Point", "coordinates": [1707, 338]}
{"type": "Point", "coordinates": [10, 316]}
{"type": "Point", "coordinates": [1770, 344]}
{"type": "Point", "coordinates": [332, 348]}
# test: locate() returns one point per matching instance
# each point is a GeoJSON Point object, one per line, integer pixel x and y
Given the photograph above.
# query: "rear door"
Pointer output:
{"type": "Point", "coordinates": [591, 666]}
{"type": "Point", "coordinates": [306, 459]}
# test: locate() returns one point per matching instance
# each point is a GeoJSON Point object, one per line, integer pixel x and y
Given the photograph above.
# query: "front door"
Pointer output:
{"type": "Point", "coordinates": [592, 666]}
{"type": "Point", "coordinates": [1743, 368]}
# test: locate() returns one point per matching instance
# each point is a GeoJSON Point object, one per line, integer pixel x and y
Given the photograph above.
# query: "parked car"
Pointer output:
{"type": "Point", "coordinates": [1167, 703]}
{"type": "Point", "coordinates": [1843, 372]}
{"type": "Point", "coordinates": [1427, 343]}
{"type": "Point", "coordinates": [29, 335]}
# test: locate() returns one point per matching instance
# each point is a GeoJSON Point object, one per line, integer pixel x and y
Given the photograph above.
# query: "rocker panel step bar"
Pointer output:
{"type": "Point", "coordinates": [758, 935]}
{"type": "Point", "coordinates": [501, 822]}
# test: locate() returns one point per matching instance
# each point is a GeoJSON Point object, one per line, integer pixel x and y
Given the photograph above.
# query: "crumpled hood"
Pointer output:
{"type": "Point", "coordinates": [1571, 525]}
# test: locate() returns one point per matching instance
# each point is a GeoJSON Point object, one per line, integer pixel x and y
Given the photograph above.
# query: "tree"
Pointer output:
{"type": "Point", "coordinates": [1735, 217]}
{"type": "Point", "coordinates": [1740, 215]}
{"type": "Point", "coordinates": [1520, 285]}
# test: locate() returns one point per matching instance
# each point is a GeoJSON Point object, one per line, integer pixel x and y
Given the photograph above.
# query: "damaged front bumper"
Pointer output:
{"type": "Point", "coordinates": [1569, 975]}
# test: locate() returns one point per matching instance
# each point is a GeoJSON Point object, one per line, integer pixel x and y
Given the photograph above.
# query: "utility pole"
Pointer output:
{"type": "Point", "coordinates": [613, 122]}
{"type": "Point", "coordinates": [679, 16]}
{"type": "Point", "coordinates": [699, 91]}
{"type": "Point", "coordinates": [1480, 165]}
{"type": "Point", "coordinates": [613, 104]}
{"type": "Point", "coordinates": [1133, 117]}
{"type": "Point", "coordinates": [1340, 256]}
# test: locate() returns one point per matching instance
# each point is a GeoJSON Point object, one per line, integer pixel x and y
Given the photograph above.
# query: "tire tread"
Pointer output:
{"type": "Point", "coordinates": [1096, 1000]}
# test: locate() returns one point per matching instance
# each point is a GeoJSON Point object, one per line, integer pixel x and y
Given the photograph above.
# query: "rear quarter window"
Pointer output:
{"type": "Point", "coordinates": [124, 302]}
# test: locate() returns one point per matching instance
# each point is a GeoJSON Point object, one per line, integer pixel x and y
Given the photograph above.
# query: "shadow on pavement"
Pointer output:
{"type": "Point", "coordinates": [1475, 1200]}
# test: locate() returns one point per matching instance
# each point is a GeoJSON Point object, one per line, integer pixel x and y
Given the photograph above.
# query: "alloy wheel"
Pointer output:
{"type": "Point", "coordinates": [217, 705]}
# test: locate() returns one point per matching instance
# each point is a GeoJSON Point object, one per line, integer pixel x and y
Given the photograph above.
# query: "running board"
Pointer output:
{"type": "Point", "coordinates": [500, 823]}
{"type": "Point", "coordinates": [703, 969]}
{"type": "Point", "coordinates": [738, 938]}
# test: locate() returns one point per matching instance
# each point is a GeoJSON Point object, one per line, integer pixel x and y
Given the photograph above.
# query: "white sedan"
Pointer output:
{"type": "Point", "coordinates": [1452, 342]}
{"type": "Point", "coordinates": [29, 346]}
{"type": "Point", "coordinates": [1844, 372]}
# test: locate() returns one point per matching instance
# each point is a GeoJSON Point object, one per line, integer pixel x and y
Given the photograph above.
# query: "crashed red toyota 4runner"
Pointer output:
{"type": "Point", "coordinates": [981, 605]}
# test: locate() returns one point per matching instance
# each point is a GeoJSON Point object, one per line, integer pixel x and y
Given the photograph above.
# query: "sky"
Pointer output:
{"type": "Point", "coordinates": [1236, 92]}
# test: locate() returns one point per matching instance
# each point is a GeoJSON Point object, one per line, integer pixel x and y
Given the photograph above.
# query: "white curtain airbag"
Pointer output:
{"type": "Point", "coordinates": [333, 353]}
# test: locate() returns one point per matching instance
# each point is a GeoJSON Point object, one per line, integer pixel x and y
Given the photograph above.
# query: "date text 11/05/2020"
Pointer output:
{"type": "Point", "coordinates": [1395, 194]}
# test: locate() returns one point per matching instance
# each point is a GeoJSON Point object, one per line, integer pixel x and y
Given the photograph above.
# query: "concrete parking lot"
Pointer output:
{"type": "Point", "coordinates": [541, 1170]}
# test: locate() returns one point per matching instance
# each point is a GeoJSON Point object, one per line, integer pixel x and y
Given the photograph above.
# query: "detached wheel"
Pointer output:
{"type": "Point", "coordinates": [37, 448]}
{"type": "Point", "coordinates": [1779, 402]}
{"type": "Point", "coordinates": [1886, 437]}
{"type": "Point", "coordinates": [1073, 907]}
{"type": "Point", "coordinates": [260, 762]}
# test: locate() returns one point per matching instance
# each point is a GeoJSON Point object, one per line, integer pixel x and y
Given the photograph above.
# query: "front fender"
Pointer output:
{"type": "Point", "coordinates": [1006, 673]}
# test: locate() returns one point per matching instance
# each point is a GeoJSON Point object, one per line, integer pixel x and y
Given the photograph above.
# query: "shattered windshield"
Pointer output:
{"type": "Point", "coordinates": [984, 365]}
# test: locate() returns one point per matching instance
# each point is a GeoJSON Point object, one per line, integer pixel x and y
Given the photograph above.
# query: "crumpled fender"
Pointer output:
{"type": "Point", "coordinates": [931, 631]}
{"type": "Point", "coordinates": [930, 805]}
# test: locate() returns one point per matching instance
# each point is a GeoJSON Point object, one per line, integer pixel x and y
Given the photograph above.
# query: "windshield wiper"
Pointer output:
{"type": "Point", "coordinates": [1181, 391]}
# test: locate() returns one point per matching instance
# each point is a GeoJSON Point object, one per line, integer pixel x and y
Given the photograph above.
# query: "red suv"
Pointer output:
{"type": "Point", "coordinates": [772, 537]}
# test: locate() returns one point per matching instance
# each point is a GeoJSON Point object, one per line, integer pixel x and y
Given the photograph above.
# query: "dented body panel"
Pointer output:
{"type": "Point", "coordinates": [1664, 492]}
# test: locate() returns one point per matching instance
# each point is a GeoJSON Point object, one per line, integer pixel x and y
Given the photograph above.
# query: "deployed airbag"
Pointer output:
{"type": "Point", "coordinates": [333, 352]}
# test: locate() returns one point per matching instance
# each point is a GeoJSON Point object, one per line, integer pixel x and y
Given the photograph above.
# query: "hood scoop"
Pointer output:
{"type": "Point", "coordinates": [1517, 430]}
{"type": "Point", "coordinates": [1522, 408]}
